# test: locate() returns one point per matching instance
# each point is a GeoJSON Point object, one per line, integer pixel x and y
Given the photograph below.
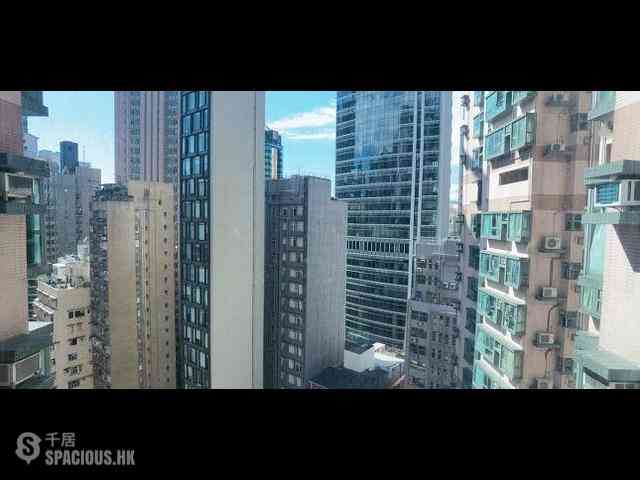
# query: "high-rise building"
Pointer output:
{"type": "Point", "coordinates": [523, 180]}
{"type": "Point", "coordinates": [607, 354]}
{"type": "Point", "coordinates": [70, 195]}
{"type": "Point", "coordinates": [64, 299]}
{"type": "Point", "coordinates": [432, 346]}
{"type": "Point", "coordinates": [51, 251]}
{"type": "Point", "coordinates": [391, 147]}
{"type": "Point", "coordinates": [132, 286]}
{"type": "Point", "coordinates": [222, 239]}
{"type": "Point", "coordinates": [273, 165]}
{"type": "Point", "coordinates": [304, 281]}
{"type": "Point", "coordinates": [146, 148]}
{"type": "Point", "coordinates": [146, 136]}
{"type": "Point", "coordinates": [69, 159]}
{"type": "Point", "coordinates": [25, 347]}
{"type": "Point", "coordinates": [22, 181]}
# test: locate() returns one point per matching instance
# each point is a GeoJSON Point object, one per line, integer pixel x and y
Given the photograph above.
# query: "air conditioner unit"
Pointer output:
{"type": "Point", "coordinates": [552, 243]}
{"type": "Point", "coordinates": [558, 147]}
{"type": "Point", "coordinates": [549, 292]}
{"type": "Point", "coordinates": [544, 339]}
{"type": "Point", "coordinates": [544, 384]}
{"type": "Point", "coordinates": [618, 194]}
{"type": "Point", "coordinates": [16, 186]}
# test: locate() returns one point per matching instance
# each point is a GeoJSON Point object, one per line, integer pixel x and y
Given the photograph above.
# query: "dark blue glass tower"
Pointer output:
{"type": "Point", "coordinates": [388, 147]}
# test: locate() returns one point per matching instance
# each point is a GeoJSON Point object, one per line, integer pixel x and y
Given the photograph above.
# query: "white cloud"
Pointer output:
{"type": "Point", "coordinates": [318, 135]}
{"type": "Point", "coordinates": [317, 124]}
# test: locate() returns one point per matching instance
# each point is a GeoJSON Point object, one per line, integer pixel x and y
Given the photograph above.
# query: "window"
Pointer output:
{"type": "Point", "coordinates": [470, 324]}
{"type": "Point", "coordinates": [570, 271]}
{"type": "Point", "coordinates": [472, 288]}
{"type": "Point", "coordinates": [474, 256]}
{"type": "Point", "coordinates": [574, 222]}
{"type": "Point", "coordinates": [518, 175]}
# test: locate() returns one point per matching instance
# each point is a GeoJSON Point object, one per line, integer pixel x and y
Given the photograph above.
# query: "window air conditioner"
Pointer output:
{"type": "Point", "coordinates": [627, 194]}
{"type": "Point", "coordinates": [544, 339]}
{"type": "Point", "coordinates": [552, 243]}
{"type": "Point", "coordinates": [544, 384]}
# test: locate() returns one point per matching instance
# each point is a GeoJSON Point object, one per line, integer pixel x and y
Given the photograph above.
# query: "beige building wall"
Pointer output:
{"type": "Point", "coordinates": [13, 276]}
{"type": "Point", "coordinates": [154, 204]}
{"type": "Point", "coordinates": [69, 309]}
{"type": "Point", "coordinates": [237, 239]}
{"type": "Point", "coordinates": [11, 122]}
{"type": "Point", "coordinates": [141, 286]}
{"type": "Point", "coordinates": [554, 188]}
{"type": "Point", "coordinates": [122, 294]}
{"type": "Point", "coordinates": [619, 328]}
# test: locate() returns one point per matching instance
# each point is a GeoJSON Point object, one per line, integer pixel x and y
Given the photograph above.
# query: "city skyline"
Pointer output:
{"type": "Point", "coordinates": [305, 120]}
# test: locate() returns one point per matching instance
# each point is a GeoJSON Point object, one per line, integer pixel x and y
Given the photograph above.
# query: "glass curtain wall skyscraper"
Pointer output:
{"type": "Point", "coordinates": [391, 147]}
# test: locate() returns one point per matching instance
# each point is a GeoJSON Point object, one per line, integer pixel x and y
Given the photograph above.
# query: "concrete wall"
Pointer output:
{"type": "Point", "coordinates": [158, 232]}
{"type": "Point", "coordinates": [620, 329]}
{"type": "Point", "coordinates": [554, 188]}
{"type": "Point", "coordinates": [237, 238]}
{"type": "Point", "coordinates": [122, 294]}
{"type": "Point", "coordinates": [68, 300]}
{"type": "Point", "coordinates": [13, 276]}
{"type": "Point", "coordinates": [325, 288]}
{"type": "Point", "coordinates": [11, 122]}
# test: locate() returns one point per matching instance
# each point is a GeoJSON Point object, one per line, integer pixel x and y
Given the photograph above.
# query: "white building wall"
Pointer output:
{"type": "Point", "coordinates": [237, 238]}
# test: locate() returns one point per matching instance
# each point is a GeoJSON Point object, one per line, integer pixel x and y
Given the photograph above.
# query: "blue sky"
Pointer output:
{"type": "Point", "coordinates": [306, 121]}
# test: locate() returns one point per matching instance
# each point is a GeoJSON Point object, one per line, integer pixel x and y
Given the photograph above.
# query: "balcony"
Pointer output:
{"type": "Point", "coordinates": [486, 376]}
{"type": "Point", "coordinates": [507, 313]}
{"type": "Point", "coordinates": [604, 368]}
{"type": "Point", "coordinates": [516, 135]}
{"type": "Point", "coordinates": [499, 352]}
{"type": "Point", "coordinates": [523, 131]}
{"type": "Point", "coordinates": [590, 297]}
{"type": "Point", "coordinates": [506, 226]}
{"type": "Point", "coordinates": [522, 96]}
{"type": "Point", "coordinates": [604, 104]}
{"type": "Point", "coordinates": [497, 104]}
{"type": "Point", "coordinates": [617, 193]}
{"type": "Point", "coordinates": [510, 271]}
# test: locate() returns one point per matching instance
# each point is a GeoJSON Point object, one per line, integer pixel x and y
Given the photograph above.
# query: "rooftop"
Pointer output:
{"type": "Point", "coordinates": [13, 163]}
{"type": "Point", "coordinates": [26, 344]}
{"type": "Point", "coordinates": [343, 378]}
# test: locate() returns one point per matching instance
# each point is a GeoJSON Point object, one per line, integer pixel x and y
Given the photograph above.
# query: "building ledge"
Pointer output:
{"type": "Point", "coordinates": [610, 366]}
{"type": "Point", "coordinates": [19, 164]}
{"type": "Point", "coordinates": [612, 217]}
{"type": "Point", "coordinates": [586, 340]}
{"type": "Point", "coordinates": [590, 281]}
{"type": "Point", "coordinates": [22, 346]}
{"type": "Point", "coordinates": [495, 375]}
{"type": "Point", "coordinates": [612, 171]}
